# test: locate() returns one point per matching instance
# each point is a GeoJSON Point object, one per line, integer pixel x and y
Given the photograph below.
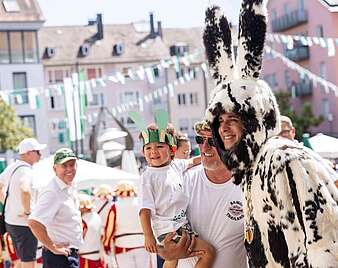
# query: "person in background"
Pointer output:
{"type": "Point", "coordinates": [287, 129]}
{"type": "Point", "coordinates": [56, 219]}
{"type": "Point", "coordinates": [16, 185]}
{"type": "Point", "coordinates": [122, 232]}
{"type": "Point", "coordinates": [89, 252]}
{"type": "Point", "coordinates": [183, 149]}
{"type": "Point", "coordinates": [289, 132]}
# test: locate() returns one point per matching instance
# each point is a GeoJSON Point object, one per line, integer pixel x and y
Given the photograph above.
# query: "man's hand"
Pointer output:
{"type": "Point", "coordinates": [182, 249]}
{"type": "Point", "coordinates": [61, 249]}
{"type": "Point", "coordinates": [150, 243]}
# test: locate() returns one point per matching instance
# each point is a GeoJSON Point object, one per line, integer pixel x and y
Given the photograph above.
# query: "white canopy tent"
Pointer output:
{"type": "Point", "coordinates": [88, 174]}
{"type": "Point", "coordinates": [325, 146]}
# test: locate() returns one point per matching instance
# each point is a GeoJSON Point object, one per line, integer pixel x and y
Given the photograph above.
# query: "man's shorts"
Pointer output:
{"type": "Point", "coordinates": [186, 227]}
{"type": "Point", "coordinates": [24, 242]}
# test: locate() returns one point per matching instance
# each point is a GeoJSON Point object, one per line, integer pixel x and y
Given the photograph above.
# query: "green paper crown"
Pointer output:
{"type": "Point", "coordinates": [154, 135]}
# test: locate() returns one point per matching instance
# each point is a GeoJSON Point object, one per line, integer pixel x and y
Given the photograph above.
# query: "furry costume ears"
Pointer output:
{"type": "Point", "coordinates": [251, 38]}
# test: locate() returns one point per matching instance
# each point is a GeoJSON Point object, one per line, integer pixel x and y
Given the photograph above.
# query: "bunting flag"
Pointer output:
{"type": "Point", "coordinates": [289, 40]}
{"type": "Point", "coordinates": [302, 71]}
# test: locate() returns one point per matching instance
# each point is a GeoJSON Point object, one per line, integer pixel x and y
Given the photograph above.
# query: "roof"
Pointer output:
{"type": "Point", "coordinates": [67, 40]}
{"type": "Point", "coordinates": [20, 11]}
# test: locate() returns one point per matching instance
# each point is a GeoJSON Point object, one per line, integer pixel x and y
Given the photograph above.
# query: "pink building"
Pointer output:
{"type": "Point", "coordinates": [310, 18]}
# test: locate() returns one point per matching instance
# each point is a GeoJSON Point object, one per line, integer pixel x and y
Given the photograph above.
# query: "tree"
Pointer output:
{"type": "Point", "coordinates": [302, 122]}
{"type": "Point", "coordinates": [12, 131]}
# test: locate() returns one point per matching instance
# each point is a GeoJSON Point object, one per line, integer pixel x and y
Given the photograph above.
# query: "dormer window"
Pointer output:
{"type": "Point", "coordinates": [179, 49]}
{"type": "Point", "coordinates": [11, 6]}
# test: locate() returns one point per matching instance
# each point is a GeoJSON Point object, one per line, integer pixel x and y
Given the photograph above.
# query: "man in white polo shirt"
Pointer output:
{"type": "Point", "coordinates": [16, 187]}
{"type": "Point", "coordinates": [56, 219]}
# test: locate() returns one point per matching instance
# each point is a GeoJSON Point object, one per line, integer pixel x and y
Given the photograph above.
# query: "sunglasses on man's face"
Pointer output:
{"type": "Point", "coordinates": [200, 140]}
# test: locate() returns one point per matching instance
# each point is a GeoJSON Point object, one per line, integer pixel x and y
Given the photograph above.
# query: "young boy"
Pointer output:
{"type": "Point", "coordinates": [163, 199]}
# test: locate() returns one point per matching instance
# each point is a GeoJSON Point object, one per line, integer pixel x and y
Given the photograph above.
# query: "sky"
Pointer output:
{"type": "Point", "coordinates": [172, 13]}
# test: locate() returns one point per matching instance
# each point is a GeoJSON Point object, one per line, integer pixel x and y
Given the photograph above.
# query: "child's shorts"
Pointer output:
{"type": "Point", "coordinates": [186, 227]}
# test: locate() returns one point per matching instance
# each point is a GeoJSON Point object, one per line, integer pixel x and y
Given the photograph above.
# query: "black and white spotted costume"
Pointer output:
{"type": "Point", "coordinates": [291, 200]}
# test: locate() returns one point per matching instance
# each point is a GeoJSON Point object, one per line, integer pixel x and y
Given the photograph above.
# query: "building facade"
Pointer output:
{"type": "Point", "coordinates": [20, 64]}
{"type": "Point", "coordinates": [310, 24]}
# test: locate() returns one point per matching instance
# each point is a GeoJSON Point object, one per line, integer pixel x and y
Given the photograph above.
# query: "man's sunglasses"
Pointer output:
{"type": "Point", "coordinates": [200, 140]}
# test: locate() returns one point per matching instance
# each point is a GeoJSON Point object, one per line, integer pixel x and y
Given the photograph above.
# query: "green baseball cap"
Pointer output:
{"type": "Point", "coordinates": [63, 155]}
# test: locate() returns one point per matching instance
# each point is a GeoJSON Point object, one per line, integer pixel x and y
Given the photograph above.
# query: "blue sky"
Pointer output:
{"type": "Point", "coordinates": [172, 13]}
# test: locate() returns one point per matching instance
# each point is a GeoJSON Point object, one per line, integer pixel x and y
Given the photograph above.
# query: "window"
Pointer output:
{"type": "Point", "coordinates": [287, 78]}
{"type": "Point", "coordinates": [286, 8]}
{"type": "Point", "coordinates": [193, 98]}
{"type": "Point", "coordinates": [18, 47]}
{"type": "Point", "coordinates": [50, 77]}
{"type": "Point", "coordinates": [30, 46]}
{"type": "Point", "coordinates": [58, 74]}
{"type": "Point", "coordinates": [4, 47]}
{"type": "Point", "coordinates": [181, 99]}
{"type": "Point", "coordinates": [319, 31]}
{"type": "Point", "coordinates": [95, 100]}
{"type": "Point", "coordinates": [156, 71]}
{"type": "Point", "coordinates": [274, 14]}
{"type": "Point", "coordinates": [301, 5]}
{"type": "Point", "coordinates": [61, 137]}
{"type": "Point", "coordinates": [322, 70]}
{"type": "Point", "coordinates": [326, 107]}
{"type": "Point", "coordinates": [15, 39]}
{"type": "Point", "coordinates": [29, 121]}
{"type": "Point", "coordinates": [11, 6]}
{"type": "Point", "coordinates": [183, 125]}
{"type": "Point", "coordinates": [20, 86]}
{"type": "Point", "coordinates": [91, 73]}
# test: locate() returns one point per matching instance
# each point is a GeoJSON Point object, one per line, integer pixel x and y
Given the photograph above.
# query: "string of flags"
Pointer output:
{"type": "Point", "coordinates": [303, 72]}
{"type": "Point", "coordinates": [291, 41]}
{"type": "Point", "coordinates": [33, 95]}
{"type": "Point", "coordinates": [76, 111]}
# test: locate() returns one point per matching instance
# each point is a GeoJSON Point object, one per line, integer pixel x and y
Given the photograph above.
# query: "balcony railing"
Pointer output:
{"type": "Point", "coordinates": [290, 20]}
{"type": "Point", "coordinates": [302, 89]}
{"type": "Point", "coordinates": [298, 53]}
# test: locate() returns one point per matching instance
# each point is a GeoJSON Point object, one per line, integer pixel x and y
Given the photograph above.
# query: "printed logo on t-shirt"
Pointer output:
{"type": "Point", "coordinates": [235, 211]}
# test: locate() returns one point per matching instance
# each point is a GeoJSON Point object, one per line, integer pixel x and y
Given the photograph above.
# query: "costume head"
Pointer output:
{"type": "Point", "coordinates": [125, 189]}
{"type": "Point", "coordinates": [85, 201]}
{"type": "Point", "coordinates": [103, 191]}
{"type": "Point", "coordinates": [238, 88]}
{"type": "Point", "coordinates": [157, 132]}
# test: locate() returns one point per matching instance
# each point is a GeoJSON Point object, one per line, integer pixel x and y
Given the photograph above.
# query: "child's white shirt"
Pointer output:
{"type": "Point", "coordinates": [161, 191]}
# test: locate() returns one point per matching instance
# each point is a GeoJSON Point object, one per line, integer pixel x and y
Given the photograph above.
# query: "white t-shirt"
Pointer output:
{"type": "Point", "coordinates": [58, 210]}
{"type": "Point", "coordinates": [21, 179]}
{"type": "Point", "coordinates": [161, 191]}
{"type": "Point", "coordinates": [215, 212]}
{"type": "Point", "coordinates": [92, 239]}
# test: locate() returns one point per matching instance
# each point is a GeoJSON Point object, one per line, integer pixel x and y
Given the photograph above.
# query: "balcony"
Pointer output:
{"type": "Point", "coordinates": [298, 53]}
{"type": "Point", "coordinates": [290, 20]}
{"type": "Point", "coordinates": [302, 89]}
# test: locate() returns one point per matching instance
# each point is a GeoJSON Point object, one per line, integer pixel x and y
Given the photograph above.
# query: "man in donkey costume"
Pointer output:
{"type": "Point", "coordinates": [291, 212]}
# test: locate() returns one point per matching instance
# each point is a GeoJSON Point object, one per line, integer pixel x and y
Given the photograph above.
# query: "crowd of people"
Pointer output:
{"type": "Point", "coordinates": [254, 197]}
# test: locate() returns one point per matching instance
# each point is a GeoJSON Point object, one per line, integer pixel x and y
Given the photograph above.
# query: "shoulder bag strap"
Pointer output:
{"type": "Point", "coordinates": [9, 183]}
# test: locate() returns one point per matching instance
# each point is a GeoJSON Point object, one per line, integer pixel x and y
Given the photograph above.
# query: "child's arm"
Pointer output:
{"type": "Point", "coordinates": [149, 239]}
{"type": "Point", "coordinates": [194, 161]}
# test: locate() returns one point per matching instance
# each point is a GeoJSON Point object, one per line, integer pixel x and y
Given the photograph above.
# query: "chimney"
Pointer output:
{"type": "Point", "coordinates": [99, 26]}
{"type": "Point", "coordinates": [159, 29]}
{"type": "Point", "coordinates": [152, 27]}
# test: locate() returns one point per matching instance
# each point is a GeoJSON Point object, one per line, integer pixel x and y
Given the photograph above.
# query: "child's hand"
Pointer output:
{"type": "Point", "coordinates": [150, 243]}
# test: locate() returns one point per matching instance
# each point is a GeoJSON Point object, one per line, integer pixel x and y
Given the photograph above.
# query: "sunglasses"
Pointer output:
{"type": "Point", "coordinates": [200, 140]}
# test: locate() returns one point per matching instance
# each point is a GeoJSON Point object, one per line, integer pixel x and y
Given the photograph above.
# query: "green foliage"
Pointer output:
{"type": "Point", "coordinates": [12, 131]}
{"type": "Point", "coordinates": [303, 121]}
